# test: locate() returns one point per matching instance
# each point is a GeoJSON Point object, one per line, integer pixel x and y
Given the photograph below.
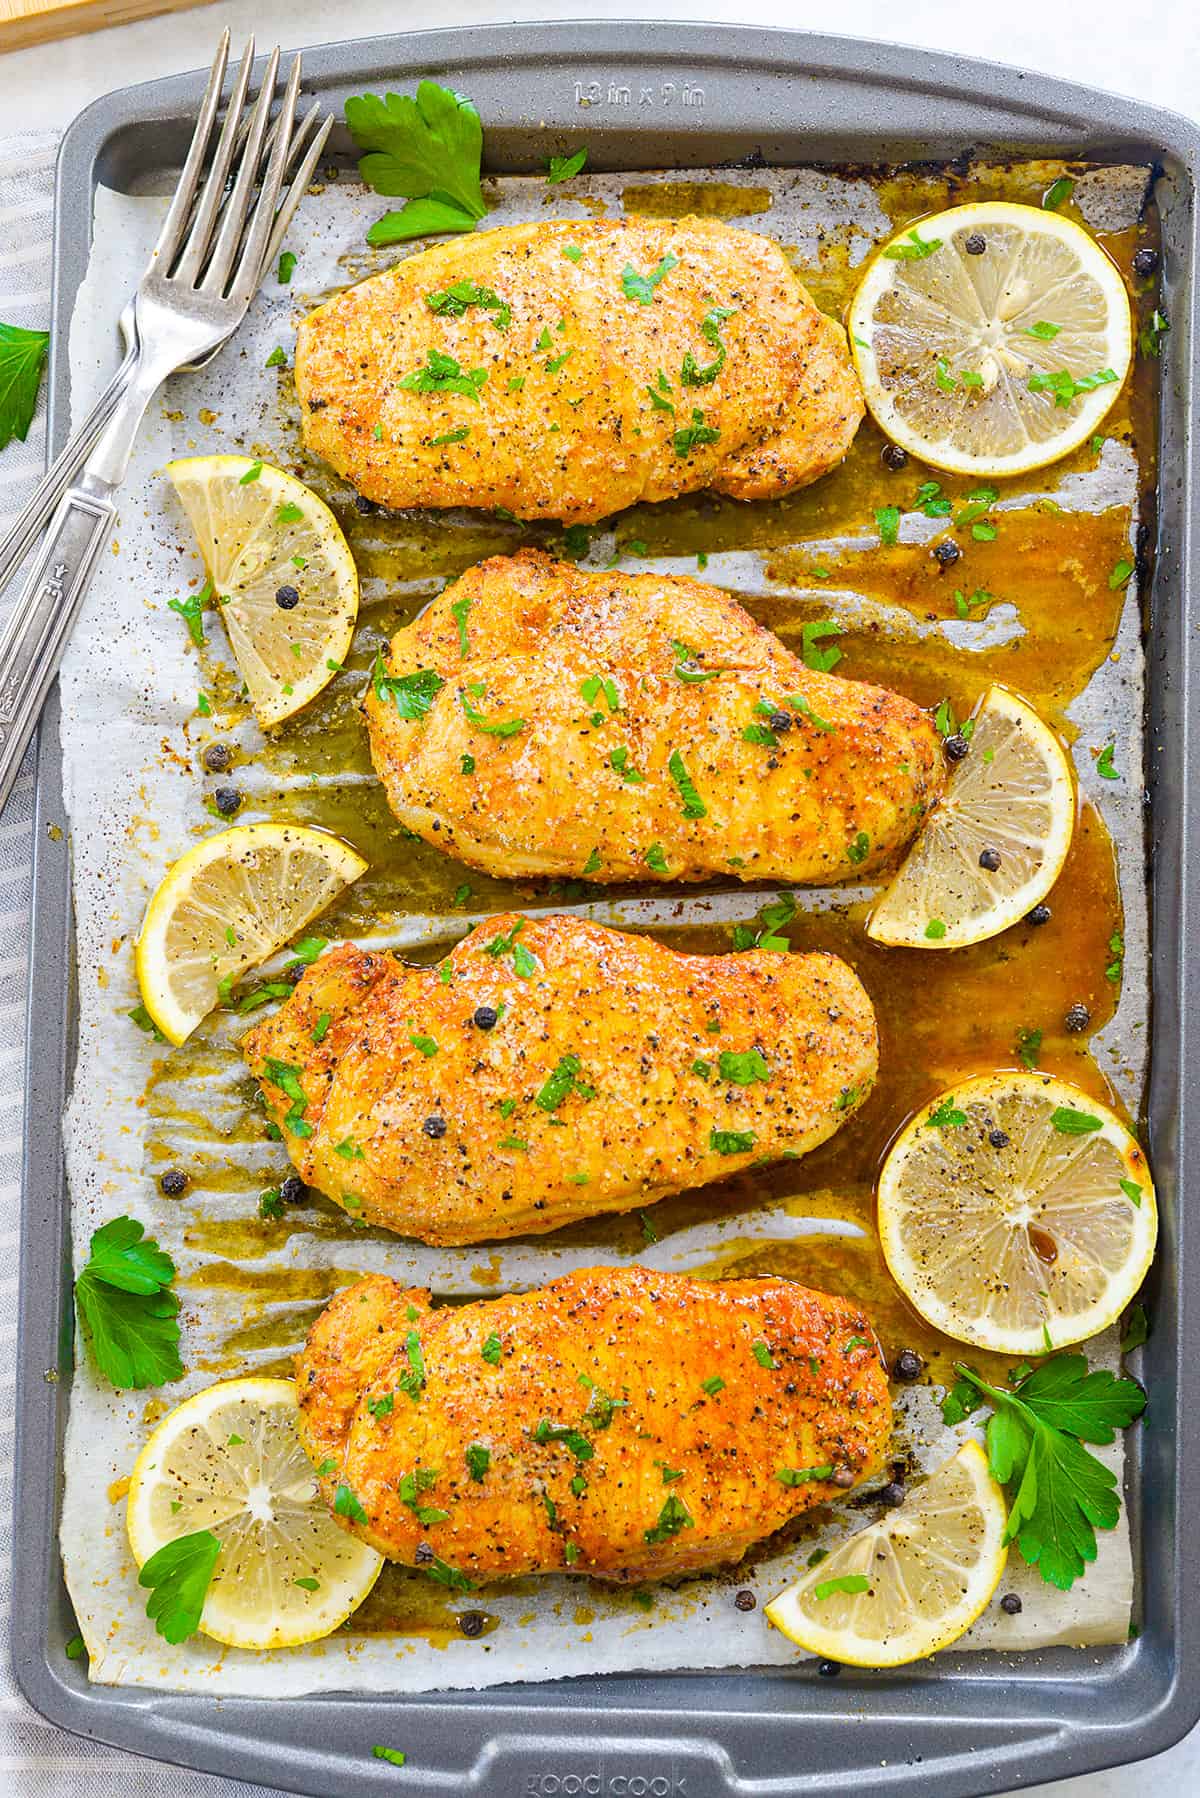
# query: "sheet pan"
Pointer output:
{"type": "Point", "coordinates": [1034, 1718]}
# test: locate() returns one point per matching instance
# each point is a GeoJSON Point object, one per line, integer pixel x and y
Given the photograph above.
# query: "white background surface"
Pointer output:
{"type": "Point", "coordinates": [1152, 55]}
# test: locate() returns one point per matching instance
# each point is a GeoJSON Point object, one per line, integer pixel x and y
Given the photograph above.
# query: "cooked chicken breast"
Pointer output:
{"type": "Point", "coordinates": [567, 369]}
{"type": "Point", "coordinates": [551, 1069]}
{"type": "Point", "coordinates": [618, 1423]}
{"type": "Point", "coordinates": [539, 719]}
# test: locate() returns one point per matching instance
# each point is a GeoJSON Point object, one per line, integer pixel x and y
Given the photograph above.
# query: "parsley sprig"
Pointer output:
{"type": "Point", "coordinates": [178, 1576]}
{"type": "Point", "coordinates": [127, 1308]}
{"type": "Point", "coordinates": [427, 149]}
{"type": "Point", "coordinates": [22, 359]}
{"type": "Point", "coordinates": [1058, 1493]}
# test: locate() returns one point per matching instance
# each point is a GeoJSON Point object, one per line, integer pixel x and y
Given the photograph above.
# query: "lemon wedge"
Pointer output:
{"type": "Point", "coordinates": [991, 339]}
{"type": "Point", "coordinates": [226, 905]}
{"type": "Point", "coordinates": [995, 843]}
{"type": "Point", "coordinates": [265, 537]}
{"type": "Point", "coordinates": [909, 1584]}
{"type": "Point", "coordinates": [229, 1461]}
{"type": "Point", "coordinates": [1017, 1213]}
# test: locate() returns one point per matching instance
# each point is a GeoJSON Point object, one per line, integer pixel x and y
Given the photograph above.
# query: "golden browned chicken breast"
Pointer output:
{"type": "Point", "coordinates": [551, 1069]}
{"type": "Point", "coordinates": [567, 369]}
{"type": "Point", "coordinates": [618, 1423]}
{"type": "Point", "coordinates": [539, 719]}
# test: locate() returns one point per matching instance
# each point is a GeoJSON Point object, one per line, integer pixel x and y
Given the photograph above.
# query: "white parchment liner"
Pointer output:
{"type": "Point", "coordinates": [129, 686]}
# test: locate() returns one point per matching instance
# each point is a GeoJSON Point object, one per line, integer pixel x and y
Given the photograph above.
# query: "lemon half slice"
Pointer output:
{"type": "Point", "coordinates": [1011, 797]}
{"type": "Point", "coordinates": [263, 534]}
{"type": "Point", "coordinates": [226, 905]}
{"type": "Point", "coordinates": [929, 1569]}
{"type": "Point", "coordinates": [229, 1460]}
{"type": "Point", "coordinates": [994, 362]}
{"type": "Point", "coordinates": [1017, 1213]}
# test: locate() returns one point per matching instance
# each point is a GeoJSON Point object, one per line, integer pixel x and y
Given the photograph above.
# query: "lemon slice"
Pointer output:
{"type": "Point", "coordinates": [261, 531]}
{"type": "Point", "coordinates": [1012, 797]}
{"type": "Point", "coordinates": [992, 363]}
{"type": "Point", "coordinates": [930, 1568]}
{"type": "Point", "coordinates": [1017, 1213]}
{"type": "Point", "coordinates": [226, 905]}
{"type": "Point", "coordinates": [229, 1460]}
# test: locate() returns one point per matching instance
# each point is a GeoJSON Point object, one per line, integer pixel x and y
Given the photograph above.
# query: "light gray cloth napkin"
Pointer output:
{"type": "Point", "coordinates": [37, 1760]}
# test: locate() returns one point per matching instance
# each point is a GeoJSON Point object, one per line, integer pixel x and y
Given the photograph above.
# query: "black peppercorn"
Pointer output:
{"type": "Point", "coordinates": [286, 597]}
{"type": "Point", "coordinates": [907, 1365]}
{"type": "Point", "coordinates": [989, 859]}
{"type": "Point", "coordinates": [780, 721]}
{"type": "Point", "coordinates": [423, 1554]}
{"type": "Point", "coordinates": [291, 1190]}
{"type": "Point", "coordinates": [173, 1182]}
{"type": "Point", "coordinates": [892, 1495]}
{"type": "Point", "coordinates": [471, 1623]}
{"type": "Point", "coordinates": [744, 1600]}
{"type": "Point", "coordinates": [434, 1127]}
{"type": "Point", "coordinates": [893, 457]}
{"type": "Point", "coordinates": [999, 1139]}
{"type": "Point", "coordinates": [955, 748]}
{"type": "Point", "coordinates": [1078, 1018]}
{"type": "Point", "coordinates": [829, 1669]}
{"type": "Point", "coordinates": [364, 505]}
{"type": "Point", "coordinates": [217, 757]}
{"type": "Point", "coordinates": [1011, 1604]}
{"type": "Point", "coordinates": [227, 801]}
{"type": "Point", "coordinates": [946, 552]}
{"type": "Point", "coordinates": [1145, 262]}
{"type": "Point", "coordinates": [976, 244]}
{"type": "Point", "coordinates": [485, 1017]}
{"type": "Point", "coordinates": [1039, 915]}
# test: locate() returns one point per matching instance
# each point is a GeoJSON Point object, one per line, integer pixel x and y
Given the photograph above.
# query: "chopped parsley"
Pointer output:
{"type": "Point", "coordinates": [641, 287]}
{"type": "Point", "coordinates": [730, 1142]}
{"type": "Point", "coordinates": [443, 374]}
{"type": "Point", "coordinates": [507, 727]}
{"type": "Point", "coordinates": [692, 374]}
{"type": "Point", "coordinates": [562, 168]}
{"type": "Point", "coordinates": [411, 694]}
{"type": "Point", "coordinates": [453, 301]}
{"type": "Point", "coordinates": [693, 805]}
{"type": "Point", "coordinates": [743, 1068]}
{"type": "Point", "coordinates": [802, 1476]}
{"type": "Point", "coordinates": [912, 248]}
{"type": "Point", "coordinates": [690, 437]}
{"type": "Point", "coordinates": [673, 1517]}
{"type": "Point", "coordinates": [821, 661]}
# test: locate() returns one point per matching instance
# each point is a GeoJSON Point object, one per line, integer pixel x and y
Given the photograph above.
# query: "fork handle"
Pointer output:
{"type": "Point", "coordinates": [41, 621]}
{"type": "Point", "coordinates": [58, 477]}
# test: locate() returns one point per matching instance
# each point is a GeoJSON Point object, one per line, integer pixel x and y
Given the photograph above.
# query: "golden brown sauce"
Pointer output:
{"type": "Point", "coordinates": [1048, 568]}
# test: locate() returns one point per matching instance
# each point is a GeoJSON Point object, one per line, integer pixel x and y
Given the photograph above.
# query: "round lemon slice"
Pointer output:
{"type": "Point", "coordinates": [265, 537]}
{"type": "Point", "coordinates": [1017, 1213]}
{"type": "Point", "coordinates": [226, 905]}
{"type": "Point", "coordinates": [229, 1461]}
{"type": "Point", "coordinates": [995, 843]}
{"type": "Point", "coordinates": [991, 339]}
{"type": "Point", "coordinates": [909, 1584]}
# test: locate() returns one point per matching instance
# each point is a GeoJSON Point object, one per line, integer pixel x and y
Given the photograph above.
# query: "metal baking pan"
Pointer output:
{"type": "Point", "coordinates": [679, 96]}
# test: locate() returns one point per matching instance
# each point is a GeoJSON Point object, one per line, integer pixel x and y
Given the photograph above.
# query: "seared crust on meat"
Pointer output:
{"type": "Point", "coordinates": [553, 416]}
{"type": "Point", "coordinates": [618, 1423]}
{"type": "Point", "coordinates": [617, 1071]}
{"type": "Point", "coordinates": [799, 776]}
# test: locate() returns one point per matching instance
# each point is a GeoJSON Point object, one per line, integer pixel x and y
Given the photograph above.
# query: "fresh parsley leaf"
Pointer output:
{"type": "Point", "coordinates": [1070, 1122]}
{"type": "Point", "coordinates": [1058, 193]}
{"type": "Point", "coordinates": [126, 1306]}
{"type": "Point", "coordinates": [822, 661]}
{"type": "Point", "coordinates": [801, 1476]}
{"type": "Point", "coordinates": [690, 437]}
{"type": "Point", "coordinates": [743, 1069]}
{"type": "Point", "coordinates": [1059, 1493]}
{"type": "Point", "coordinates": [382, 1753]}
{"type": "Point", "coordinates": [673, 1517]}
{"type": "Point", "coordinates": [887, 522]}
{"type": "Point", "coordinates": [454, 300]}
{"type": "Point", "coordinates": [191, 610]}
{"type": "Point", "coordinates": [691, 373]}
{"type": "Point", "coordinates": [912, 248]}
{"type": "Point", "coordinates": [287, 265]}
{"type": "Point", "coordinates": [347, 1505]}
{"type": "Point", "coordinates": [693, 805]}
{"type": "Point", "coordinates": [560, 1083]}
{"type": "Point", "coordinates": [730, 1142]}
{"type": "Point", "coordinates": [1152, 333]}
{"type": "Point", "coordinates": [859, 849]}
{"type": "Point", "coordinates": [478, 1460]}
{"type": "Point", "coordinates": [844, 1582]}
{"type": "Point", "coordinates": [1066, 389]}
{"type": "Point", "coordinates": [763, 1355]}
{"type": "Point", "coordinates": [22, 359]}
{"type": "Point", "coordinates": [562, 168]}
{"type": "Point", "coordinates": [947, 1115]}
{"type": "Point", "coordinates": [412, 694]}
{"type": "Point", "coordinates": [277, 358]}
{"type": "Point", "coordinates": [427, 149]}
{"type": "Point", "coordinates": [177, 1576]}
{"type": "Point", "coordinates": [1137, 1329]}
{"type": "Point", "coordinates": [507, 727]}
{"type": "Point", "coordinates": [1028, 1047]}
{"type": "Point", "coordinates": [1104, 763]}
{"type": "Point", "coordinates": [444, 374]}
{"type": "Point", "coordinates": [641, 287]}
{"type": "Point", "coordinates": [491, 1350]}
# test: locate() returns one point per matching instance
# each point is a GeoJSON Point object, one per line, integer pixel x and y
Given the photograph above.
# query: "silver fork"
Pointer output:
{"type": "Point", "coordinates": [203, 273]}
{"type": "Point", "coordinates": [307, 143]}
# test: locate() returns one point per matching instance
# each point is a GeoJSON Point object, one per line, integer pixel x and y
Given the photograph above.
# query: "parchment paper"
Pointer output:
{"type": "Point", "coordinates": [129, 695]}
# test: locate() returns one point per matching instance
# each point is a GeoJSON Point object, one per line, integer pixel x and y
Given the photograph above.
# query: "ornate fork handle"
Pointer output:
{"type": "Point", "coordinates": [44, 616]}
